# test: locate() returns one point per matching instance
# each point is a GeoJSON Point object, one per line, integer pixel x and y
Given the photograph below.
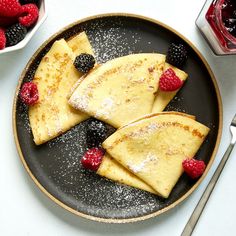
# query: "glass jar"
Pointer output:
{"type": "Point", "coordinates": [217, 23]}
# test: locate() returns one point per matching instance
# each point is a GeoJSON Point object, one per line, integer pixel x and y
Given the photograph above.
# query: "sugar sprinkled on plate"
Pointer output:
{"type": "Point", "coordinates": [115, 42]}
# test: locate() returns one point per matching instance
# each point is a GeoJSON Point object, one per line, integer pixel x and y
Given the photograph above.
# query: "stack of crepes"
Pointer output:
{"type": "Point", "coordinates": [121, 91]}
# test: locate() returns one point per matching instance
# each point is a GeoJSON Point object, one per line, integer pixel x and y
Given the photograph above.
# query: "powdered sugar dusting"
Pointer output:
{"type": "Point", "coordinates": [176, 104]}
{"type": "Point", "coordinates": [86, 187]}
{"type": "Point", "coordinates": [114, 42]}
{"type": "Point", "coordinates": [135, 168]}
{"type": "Point", "coordinates": [149, 129]}
{"type": "Point", "coordinates": [79, 102]}
{"type": "Point", "coordinates": [105, 109]}
{"type": "Point", "coordinates": [23, 115]}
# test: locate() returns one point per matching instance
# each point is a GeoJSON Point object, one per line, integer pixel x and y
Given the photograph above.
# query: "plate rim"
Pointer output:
{"type": "Point", "coordinates": [118, 220]}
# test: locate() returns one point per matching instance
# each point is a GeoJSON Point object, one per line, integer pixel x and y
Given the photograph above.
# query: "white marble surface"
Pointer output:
{"type": "Point", "coordinates": [26, 211]}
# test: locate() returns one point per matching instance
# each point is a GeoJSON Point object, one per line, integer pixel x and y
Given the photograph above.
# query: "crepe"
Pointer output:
{"type": "Point", "coordinates": [121, 89]}
{"type": "Point", "coordinates": [54, 77]}
{"type": "Point", "coordinates": [154, 147]}
{"type": "Point", "coordinates": [162, 97]}
{"type": "Point", "coordinates": [111, 169]}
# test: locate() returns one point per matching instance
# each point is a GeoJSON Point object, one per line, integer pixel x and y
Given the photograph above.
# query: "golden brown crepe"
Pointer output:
{"type": "Point", "coordinates": [162, 97]}
{"type": "Point", "coordinates": [121, 89]}
{"type": "Point", "coordinates": [154, 147]}
{"type": "Point", "coordinates": [112, 170]}
{"type": "Point", "coordinates": [54, 77]}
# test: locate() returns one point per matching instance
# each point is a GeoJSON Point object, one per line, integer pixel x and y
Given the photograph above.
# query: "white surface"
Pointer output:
{"type": "Point", "coordinates": [27, 211]}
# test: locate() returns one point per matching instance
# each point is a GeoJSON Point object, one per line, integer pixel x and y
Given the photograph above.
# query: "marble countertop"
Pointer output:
{"type": "Point", "coordinates": [25, 210]}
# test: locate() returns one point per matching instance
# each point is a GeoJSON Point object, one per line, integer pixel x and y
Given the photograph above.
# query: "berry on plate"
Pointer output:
{"type": "Point", "coordinates": [29, 15]}
{"type": "Point", "coordinates": [29, 93]}
{"type": "Point", "coordinates": [194, 168]}
{"type": "Point", "coordinates": [169, 81]}
{"type": "Point", "coordinates": [14, 34]}
{"type": "Point", "coordinates": [95, 133]}
{"type": "Point", "coordinates": [10, 8]}
{"type": "Point", "coordinates": [92, 158]}
{"type": "Point", "coordinates": [177, 54]}
{"type": "Point", "coordinates": [84, 62]}
{"type": "Point", "coordinates": [2, 39]}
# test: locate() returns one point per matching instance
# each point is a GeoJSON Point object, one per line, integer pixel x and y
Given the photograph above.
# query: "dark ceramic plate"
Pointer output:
{"type": "Point", "coordinates": [55, 166]}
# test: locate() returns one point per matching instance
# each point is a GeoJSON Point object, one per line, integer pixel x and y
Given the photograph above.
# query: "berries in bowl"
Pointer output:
{"type": "Point", "coordinates": [19, 20]}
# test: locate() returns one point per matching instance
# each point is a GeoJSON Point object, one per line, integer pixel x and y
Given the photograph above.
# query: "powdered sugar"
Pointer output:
{"type": "Point", "coordinates": [114, 42]}
{"type": "Point", "coordinates": [105, 109]}
{"type": "Point", "coordinates": [135, 168]}
{"type": "Point", "coordinates": [79, 102]}
{"type": "Point", "coordinates": [149, 129]}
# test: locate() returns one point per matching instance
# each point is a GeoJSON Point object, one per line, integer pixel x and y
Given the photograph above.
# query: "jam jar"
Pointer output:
{"type": "Point", "coordinates": [217, 23]}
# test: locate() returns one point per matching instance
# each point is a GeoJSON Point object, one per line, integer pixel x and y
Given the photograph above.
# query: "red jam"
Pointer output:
{"type": "Point", "coordinates": [221, 16]}
{"type": "Point", "coordinates": [228, 13]}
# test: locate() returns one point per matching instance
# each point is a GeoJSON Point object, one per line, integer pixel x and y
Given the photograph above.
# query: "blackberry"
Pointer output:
{"type": "Point", "coordinates": [96, 133]}
{"type": "Point", "coordinates": [14, 34]}
{"type": "Point", "coordinates": [84, 62]}
{"type": "Point", "coordinates": [177, 54]}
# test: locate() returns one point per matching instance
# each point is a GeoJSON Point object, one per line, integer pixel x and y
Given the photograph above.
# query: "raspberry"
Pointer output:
{"type": "Point", "coordinates": [177, 54]}
{"type": "Point", "coordinates": [10, 8]}
{"type": "Point", "coordinates": [169, 81]}
{"type": "Point", "coordinates": [95, 133]}
{"type": "Point", "coordinates": [194, 168]}
{"type": "Point", "coordinates": [23, 2]}
{"type": "Point", "coordinates": [29, 93]}
{"type": "Point", "coordinates": [15, 34]}
{"type": "Point", "coordinates": [7, 21]}
{"type": "Point", "coordinates": [2, 39]}
{"type": "Point", "coordinates": [92, 158]}
{"type": "Point", "coordinates": [29, 15]}
{"type": "Point", "coordinates": [84, 62]}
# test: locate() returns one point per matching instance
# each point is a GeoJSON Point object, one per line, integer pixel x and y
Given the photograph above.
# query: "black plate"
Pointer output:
{"type": "Point", "coordinates": [55, 166]}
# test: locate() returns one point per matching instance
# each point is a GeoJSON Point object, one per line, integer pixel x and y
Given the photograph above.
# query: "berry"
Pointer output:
{"type": "Point", "coordinates": [2, 39]}
{"type": "Point", "coordinates": [29, 15]}
{"type": "Point", "coordinates": [29, 93]}
{"type": "Point", "coordinates": [15, 34]}
{"type": "Point", "coordinates": [169, 81]}
{"type": "Point", "coordinates": [10, 8]}
{"type": "Point", "coordinates": [92, 158]}
{"type": "Point", "coordinates": [177, 54]}
{"type": "Point", "coordinates": [95, 133]}
{"type": "Point", "coordinates": [7, 21]}
{"type": "Point", "coordinates": [194, 168]}
{"type": "Point", "coordinates": [84, 62]}
{"type": "Point", "coordinates": [23, 2]}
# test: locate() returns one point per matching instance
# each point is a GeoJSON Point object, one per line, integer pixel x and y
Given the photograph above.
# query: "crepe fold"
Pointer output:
{"type": "Point", "coordinates": [55, 77]}
{"type": "Point", "coordinates": [154, 147]}
{"type": "Point", "coordinates": [120, 90]}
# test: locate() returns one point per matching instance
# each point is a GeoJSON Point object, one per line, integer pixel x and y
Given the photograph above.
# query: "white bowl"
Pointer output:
{"type": "Point", "coordinates": [30, 33]}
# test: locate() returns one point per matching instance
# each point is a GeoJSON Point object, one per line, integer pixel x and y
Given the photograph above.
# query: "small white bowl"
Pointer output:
{"type": "Point", "coordinates": [30, 33]}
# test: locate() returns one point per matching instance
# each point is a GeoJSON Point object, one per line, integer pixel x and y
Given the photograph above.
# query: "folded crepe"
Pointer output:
{"type": "Point", "coordinates": [153, 148]}
{"type": "Point", "coordinates": [162, 98]}
{"type": "Point", "coordinates": [120, 90]}
{"type": "Point", "coordinates": [111, 169]}
{"type": "Point", "coordinates": [54, 77]}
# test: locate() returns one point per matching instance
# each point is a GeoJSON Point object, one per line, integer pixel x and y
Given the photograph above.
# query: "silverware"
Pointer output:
{"type": "Point", "coordinates": [205, 196]}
